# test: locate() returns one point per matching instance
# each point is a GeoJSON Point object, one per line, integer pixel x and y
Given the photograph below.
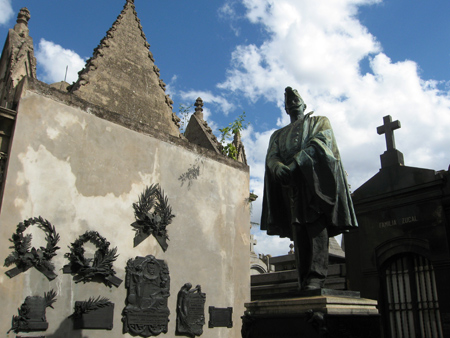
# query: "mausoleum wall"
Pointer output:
{"type": "Point", "coordinates": [83, 173]}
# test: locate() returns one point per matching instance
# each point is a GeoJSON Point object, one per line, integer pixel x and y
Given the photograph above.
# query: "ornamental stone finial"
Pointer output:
{"type": "Point", "coordinates": [291, 246]}
{"type": "Point", "coordinates": [199, 107]}
{"type": "Point", "coordinates": [21, 26]}
{"type": "Point", "coordinates": [23, 16]}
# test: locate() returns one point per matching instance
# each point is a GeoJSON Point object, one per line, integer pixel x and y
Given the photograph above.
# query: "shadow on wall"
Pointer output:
{"type": "Point", "coordinates": [192, 173]}
{"type": "Point", "coordinates": [65, 330]}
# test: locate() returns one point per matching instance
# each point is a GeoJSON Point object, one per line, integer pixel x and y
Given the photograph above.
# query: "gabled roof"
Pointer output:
{"type": "Point", "coordinates": [122, 76]}
{"type": "Point", "coordinates": [393, 180]}
{"type": "Point", "coordinates": [198, 132]}
{"type": "Point", "coordinates": [17, 59]}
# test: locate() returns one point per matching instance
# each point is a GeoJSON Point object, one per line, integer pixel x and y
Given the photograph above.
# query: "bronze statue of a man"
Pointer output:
{"type": "Point", "coordinates": [306, 195]}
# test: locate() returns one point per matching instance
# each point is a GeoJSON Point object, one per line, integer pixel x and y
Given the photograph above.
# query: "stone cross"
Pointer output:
{"type": "Point", "coordinates": [388, 128]}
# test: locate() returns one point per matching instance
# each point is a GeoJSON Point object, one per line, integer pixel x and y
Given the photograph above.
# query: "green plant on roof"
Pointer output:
{"type": "Point", "coordinates": [227, 133]}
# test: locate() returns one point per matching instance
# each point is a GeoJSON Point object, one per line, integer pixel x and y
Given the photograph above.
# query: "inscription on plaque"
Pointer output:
{"type": "Point", "coordinates": [190, 310]}
{"type": "Point", "coordinates": [408, 217]}
{"type": "Point", "coordinates": [220, 317]}
{"type": "Point", "coordinates": [400, 221]}
{"type": "Point", "coordinates": [148, 283]}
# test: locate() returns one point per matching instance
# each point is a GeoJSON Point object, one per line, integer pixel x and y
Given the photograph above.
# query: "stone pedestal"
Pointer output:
{"type": "Point", "coordinates": [322, 315]}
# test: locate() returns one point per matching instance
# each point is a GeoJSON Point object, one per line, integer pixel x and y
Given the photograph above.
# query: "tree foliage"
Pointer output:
{"type": "Point", "coordinates": [227, 133]}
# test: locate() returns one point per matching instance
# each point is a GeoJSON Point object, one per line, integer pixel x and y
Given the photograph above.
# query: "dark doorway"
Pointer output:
{"type": "Point", "coordinates": [411, 306]}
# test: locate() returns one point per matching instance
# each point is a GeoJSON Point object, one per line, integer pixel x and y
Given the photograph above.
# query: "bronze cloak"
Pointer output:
{"type": "Point", "coordinates": [319, 177]}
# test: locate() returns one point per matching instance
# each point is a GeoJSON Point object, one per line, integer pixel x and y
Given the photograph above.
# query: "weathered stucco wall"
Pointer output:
{"type": "Point", "coordinates": [83, 173]}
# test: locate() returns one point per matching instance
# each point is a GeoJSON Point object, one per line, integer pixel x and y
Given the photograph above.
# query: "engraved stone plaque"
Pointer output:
{"type": "Point", "coordinates": [190, 310]}
{"type": "Point", "coordinates": [220, 317]}
{"type": "Point", "coordinates": [148, 283]}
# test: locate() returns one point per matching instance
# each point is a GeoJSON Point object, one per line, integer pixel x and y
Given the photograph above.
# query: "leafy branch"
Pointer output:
{"type": "Point", "coordinates": [50, 298]}
{"type": "Point", "coordinates": [89, 305]}
{"type": "Point", "coordinates": [233, 128]}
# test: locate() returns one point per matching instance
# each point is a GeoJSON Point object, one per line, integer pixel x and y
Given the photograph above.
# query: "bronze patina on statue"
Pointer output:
{"type": "Point", "coordinates": [306, 195]}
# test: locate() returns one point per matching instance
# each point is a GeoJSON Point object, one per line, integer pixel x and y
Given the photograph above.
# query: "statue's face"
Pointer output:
{"type": "Point", "coordinates": [294, 105]}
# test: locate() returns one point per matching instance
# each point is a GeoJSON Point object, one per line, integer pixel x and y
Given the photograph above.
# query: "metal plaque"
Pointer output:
{"type": "Point", "coordinates": [95, 313]}
{"type": "Point", "coordinates": [190, 310]}
{"type": "Point", "coordinates": [32, 313]}
{"type": "Point", "coordinates": [148, 283]}
{"type": "Point", "coordinates": [220, 317]}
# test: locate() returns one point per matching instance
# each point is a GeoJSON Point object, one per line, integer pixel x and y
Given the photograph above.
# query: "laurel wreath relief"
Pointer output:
{"type": "Point", "coordinates": [88, 269]}
{"type": "Point", "coordinates": [153, 214]}
{"type": "Point", "coordinates": [24, 256]}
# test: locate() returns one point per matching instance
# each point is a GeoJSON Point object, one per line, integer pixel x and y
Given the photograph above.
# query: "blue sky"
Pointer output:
{"type": "Point", "coordinates": [354, 61]}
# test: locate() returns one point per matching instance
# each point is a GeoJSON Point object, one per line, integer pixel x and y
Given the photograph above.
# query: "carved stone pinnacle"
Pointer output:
{"type": "Point", "coordinates": [198, 107]}
{"type": "Point", "coordinates": [23, 16]}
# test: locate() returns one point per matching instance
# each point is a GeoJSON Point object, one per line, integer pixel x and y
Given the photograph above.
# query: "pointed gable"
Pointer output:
{"type": "Point", "coordinates": [198, 132]}
{"type": "Point", "coordinates": [122, 76]}
{"type": "Point", "coordinates": [17, 59]}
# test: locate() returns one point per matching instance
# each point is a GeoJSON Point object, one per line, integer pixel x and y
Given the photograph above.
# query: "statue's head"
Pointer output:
{"type": "Point", "coordinates": [293, 101]}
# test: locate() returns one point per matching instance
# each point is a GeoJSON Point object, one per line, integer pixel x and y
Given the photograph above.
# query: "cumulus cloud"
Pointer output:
{"type": "Point", "coordinates": [219, 101]}
{"type": "Point", "coordinates": [6, 11]}
{"type": "Point", "coordinates": [52, 62]}
{"type": "Point", "coordinates": [278, 246]}
{"type": "Point", "coordinates": [316, 47]}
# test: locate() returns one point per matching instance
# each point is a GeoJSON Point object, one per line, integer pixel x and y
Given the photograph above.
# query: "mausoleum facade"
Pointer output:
{"type": "Point", "coordinates": [76, 165]}
{"type": "Point", "coordinates": [400, 254]}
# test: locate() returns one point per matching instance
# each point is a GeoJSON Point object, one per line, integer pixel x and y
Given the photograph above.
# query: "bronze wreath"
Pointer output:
{"type": "Point", "coordinates": [88, 269]}
{"type": "Point", "coordinates": [153, 214]}
{"type": "Point", "coordinates": [25, 256]}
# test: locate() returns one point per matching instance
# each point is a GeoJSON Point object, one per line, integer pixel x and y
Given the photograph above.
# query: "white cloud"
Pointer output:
{"type": "Point", "coordinates": [219, 101]}
{"type": "Point", "coordinates": [228, 12]}
{"type": "Point", "coordinates": [6, 11]}
{"type": "Point", "coordinates": [278, 246]}
{"type": "Point", "coordinates": [53, 59]}
{"type": "Point", "coordinates": [316, 46]}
